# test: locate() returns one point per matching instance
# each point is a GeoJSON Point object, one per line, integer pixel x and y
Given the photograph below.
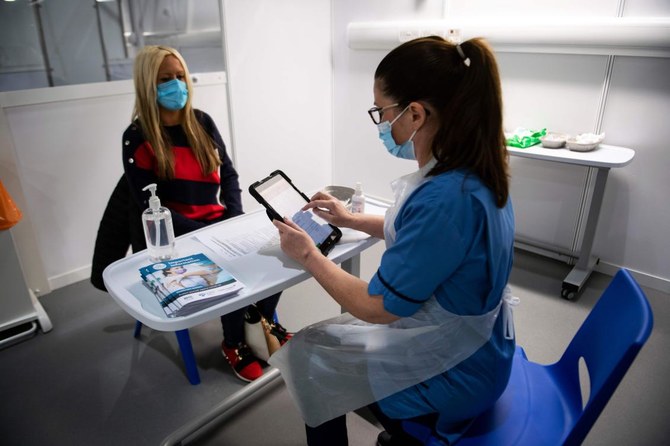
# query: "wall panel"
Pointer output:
{"type": "Point", "coordinates": [562, 92]}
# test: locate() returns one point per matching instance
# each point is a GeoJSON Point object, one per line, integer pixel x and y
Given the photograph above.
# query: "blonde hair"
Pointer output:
{"type": "Point", "coordinates": [145, 72]}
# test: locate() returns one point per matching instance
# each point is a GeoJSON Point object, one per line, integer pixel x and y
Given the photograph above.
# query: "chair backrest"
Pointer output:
{"type": "Point", "coordinates": [608, 340]}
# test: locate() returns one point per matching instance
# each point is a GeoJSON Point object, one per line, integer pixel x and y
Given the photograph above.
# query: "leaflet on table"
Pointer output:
{"type": "Point", "coordinates": [231, 247]}
{"type": "Point", "coordinates": [188, 284]}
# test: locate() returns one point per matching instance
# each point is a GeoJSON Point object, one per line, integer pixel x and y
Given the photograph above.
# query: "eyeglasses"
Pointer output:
{"type": "Point", "coordinates": [376, 113]}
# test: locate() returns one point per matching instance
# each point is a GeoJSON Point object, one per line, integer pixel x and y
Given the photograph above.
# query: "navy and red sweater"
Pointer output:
{"type": "Point", "coordinates": [194, 199]}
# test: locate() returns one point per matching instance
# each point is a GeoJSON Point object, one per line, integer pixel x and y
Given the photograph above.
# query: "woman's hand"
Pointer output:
{"type": "Point", "coordinates": [294, 241]}
{"type": "Point", "coordinates": [349, 291]}
{"type": "Point", "coordinates": [330, 209]}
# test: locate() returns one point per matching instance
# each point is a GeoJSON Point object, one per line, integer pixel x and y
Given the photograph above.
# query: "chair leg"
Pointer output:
{"type": "Point", "coordinates": [138, 329]}
{"type": "Point", "coordinates": [187, 354]}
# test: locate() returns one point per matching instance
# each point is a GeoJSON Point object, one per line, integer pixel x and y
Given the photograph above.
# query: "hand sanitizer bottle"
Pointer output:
{"type": "Point", "coordinates": [158, 231]}
{"type": "Point", "coordinates": [358, 200]}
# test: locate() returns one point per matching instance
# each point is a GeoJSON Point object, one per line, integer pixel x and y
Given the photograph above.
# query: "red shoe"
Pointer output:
{"type": "Point", "coordinates": [242, 360]}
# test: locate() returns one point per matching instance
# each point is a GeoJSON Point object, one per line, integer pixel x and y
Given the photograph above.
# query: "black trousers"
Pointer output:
{"type": "Point", "coordinates": [233, 323]}
{"type": "Point", "coordinates": [334, 432]}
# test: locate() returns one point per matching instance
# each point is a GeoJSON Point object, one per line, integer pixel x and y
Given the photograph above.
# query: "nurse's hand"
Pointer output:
{"type": "Point", "coordinates": [330, 209]}
{"type": "Point", "coordinates": [294, 241]}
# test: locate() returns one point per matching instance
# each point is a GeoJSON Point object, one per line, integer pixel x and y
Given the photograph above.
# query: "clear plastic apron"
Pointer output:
{"type": "Point", "coordinates": [341, 364]}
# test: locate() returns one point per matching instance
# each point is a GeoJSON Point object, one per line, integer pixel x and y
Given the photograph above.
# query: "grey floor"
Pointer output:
{"type": "Point", "coordinates": [88, 382]}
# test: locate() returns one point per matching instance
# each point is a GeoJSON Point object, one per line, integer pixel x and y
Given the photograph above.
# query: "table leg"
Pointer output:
{"type": "Point", "coordinates": [138, 329]}
{"type": "Point", "coordinates": [187, 354]}
{"type": "Point", "coordinates": [353, 265]}
{"type": "Point", "coordinates": [574, 281]}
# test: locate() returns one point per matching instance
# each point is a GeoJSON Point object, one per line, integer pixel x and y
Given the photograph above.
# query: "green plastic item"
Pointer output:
{"type": "Point", "coordinates": [526, 139]}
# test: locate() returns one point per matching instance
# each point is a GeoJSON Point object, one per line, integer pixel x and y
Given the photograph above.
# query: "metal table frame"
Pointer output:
{"type": "Point", "coordinates": [602, 160]}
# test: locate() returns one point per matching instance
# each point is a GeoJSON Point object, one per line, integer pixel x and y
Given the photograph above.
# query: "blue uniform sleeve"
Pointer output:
{"type": "Point", "coordinates": [429, 247]}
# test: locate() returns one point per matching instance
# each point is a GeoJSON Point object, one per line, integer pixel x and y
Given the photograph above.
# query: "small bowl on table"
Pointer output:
{"type": "Point", "coordinates": [553, 140]}
{"type": "Point", "coordinates": [584, 143]}
{"type": "Point", "coordinates": [342, 193]}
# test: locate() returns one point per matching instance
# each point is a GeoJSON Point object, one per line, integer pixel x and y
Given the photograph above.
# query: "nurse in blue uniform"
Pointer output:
{"type": "Point", "coordinates": [430, 335]}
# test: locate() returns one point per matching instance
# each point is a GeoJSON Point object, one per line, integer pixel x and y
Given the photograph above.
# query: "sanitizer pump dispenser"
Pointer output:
{"type": "Point", "coordinates": [358, 200]}
{"type": "Point", "coordinates": [158, 231]}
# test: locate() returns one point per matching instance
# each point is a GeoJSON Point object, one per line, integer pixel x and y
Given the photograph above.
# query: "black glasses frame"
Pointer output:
{"type": "Point", "coordinates": [376, 113]}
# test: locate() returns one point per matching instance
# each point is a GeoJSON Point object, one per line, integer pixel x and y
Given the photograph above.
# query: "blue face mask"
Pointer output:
{"type": "Point", "coordinates": [404, 150]}
{"type": "Point", "coordinates": [173, 94]}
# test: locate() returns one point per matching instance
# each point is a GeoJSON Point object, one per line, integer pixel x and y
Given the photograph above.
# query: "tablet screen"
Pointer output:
{"type": "Point", "coordinates": [283, 197]}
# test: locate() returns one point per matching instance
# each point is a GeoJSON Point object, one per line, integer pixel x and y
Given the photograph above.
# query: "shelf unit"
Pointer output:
{"type": "Point", "coordinates": [19, 305]}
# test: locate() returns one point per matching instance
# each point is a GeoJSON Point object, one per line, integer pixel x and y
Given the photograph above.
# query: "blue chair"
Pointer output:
{"type": "Point", "coordinates": [542, 404]}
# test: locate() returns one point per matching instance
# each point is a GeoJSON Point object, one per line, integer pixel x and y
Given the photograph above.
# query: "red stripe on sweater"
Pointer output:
{"type": "Point", "coordinates": [198, 212]}
{"type": "Point", "coordinates": [186, 164]}
{"type": "Point", "coordinates": [144, 157]}
{"type": "Point", "coordinates": [187, 167]}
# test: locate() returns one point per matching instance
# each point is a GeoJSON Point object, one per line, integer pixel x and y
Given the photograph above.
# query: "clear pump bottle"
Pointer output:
{"type": "Point", "coordinates": [358, 200]}
{"type": "Point", "coordinates": [158, 231]}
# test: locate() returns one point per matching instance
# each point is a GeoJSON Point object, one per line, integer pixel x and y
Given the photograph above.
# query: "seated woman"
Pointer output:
{"type": "Point", "coordinates": [181, 150]}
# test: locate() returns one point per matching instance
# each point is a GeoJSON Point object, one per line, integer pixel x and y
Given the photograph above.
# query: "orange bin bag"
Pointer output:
{"type": "Point", "coordinates": [10, 214]}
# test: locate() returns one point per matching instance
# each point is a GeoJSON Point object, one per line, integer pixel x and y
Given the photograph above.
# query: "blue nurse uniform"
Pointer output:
{"type": "Point", "coordinates": [453, 242]}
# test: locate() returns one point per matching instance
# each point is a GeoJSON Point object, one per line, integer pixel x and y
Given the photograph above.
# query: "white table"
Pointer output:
{"type": "Point", "coordinates": [602, 159]}
{"type": "Point", "coordinates": [264, 272]}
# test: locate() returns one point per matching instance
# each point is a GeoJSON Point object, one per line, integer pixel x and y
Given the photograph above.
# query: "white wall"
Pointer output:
{"type": "Point", "coordinates": [358, 155]}
{"type": "Point", "coordinates": [635, 219]}
{"type": "Point", "coordinates": [559, 91]}
{"type": "Point", "coordinates": [279, 65]}
{"type": "Point", "coordinates": [280, 71]}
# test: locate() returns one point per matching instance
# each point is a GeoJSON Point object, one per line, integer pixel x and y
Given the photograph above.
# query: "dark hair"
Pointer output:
{"type": "Point", "coordinates": [467, 98]}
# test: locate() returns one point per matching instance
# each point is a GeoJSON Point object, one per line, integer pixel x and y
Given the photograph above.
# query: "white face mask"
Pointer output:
{"type": "Point", "coordinates": [404, 150]}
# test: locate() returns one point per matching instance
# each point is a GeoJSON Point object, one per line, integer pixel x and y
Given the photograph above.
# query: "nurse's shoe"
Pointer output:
{"type": "Point", "coordinates": [245, 365]}
{"type": "Point", "coordinates": [385, 439]}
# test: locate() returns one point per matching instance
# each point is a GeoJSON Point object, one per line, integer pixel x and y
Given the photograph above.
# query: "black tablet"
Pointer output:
{"type": "Point", "coordinates": [282, 199]}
